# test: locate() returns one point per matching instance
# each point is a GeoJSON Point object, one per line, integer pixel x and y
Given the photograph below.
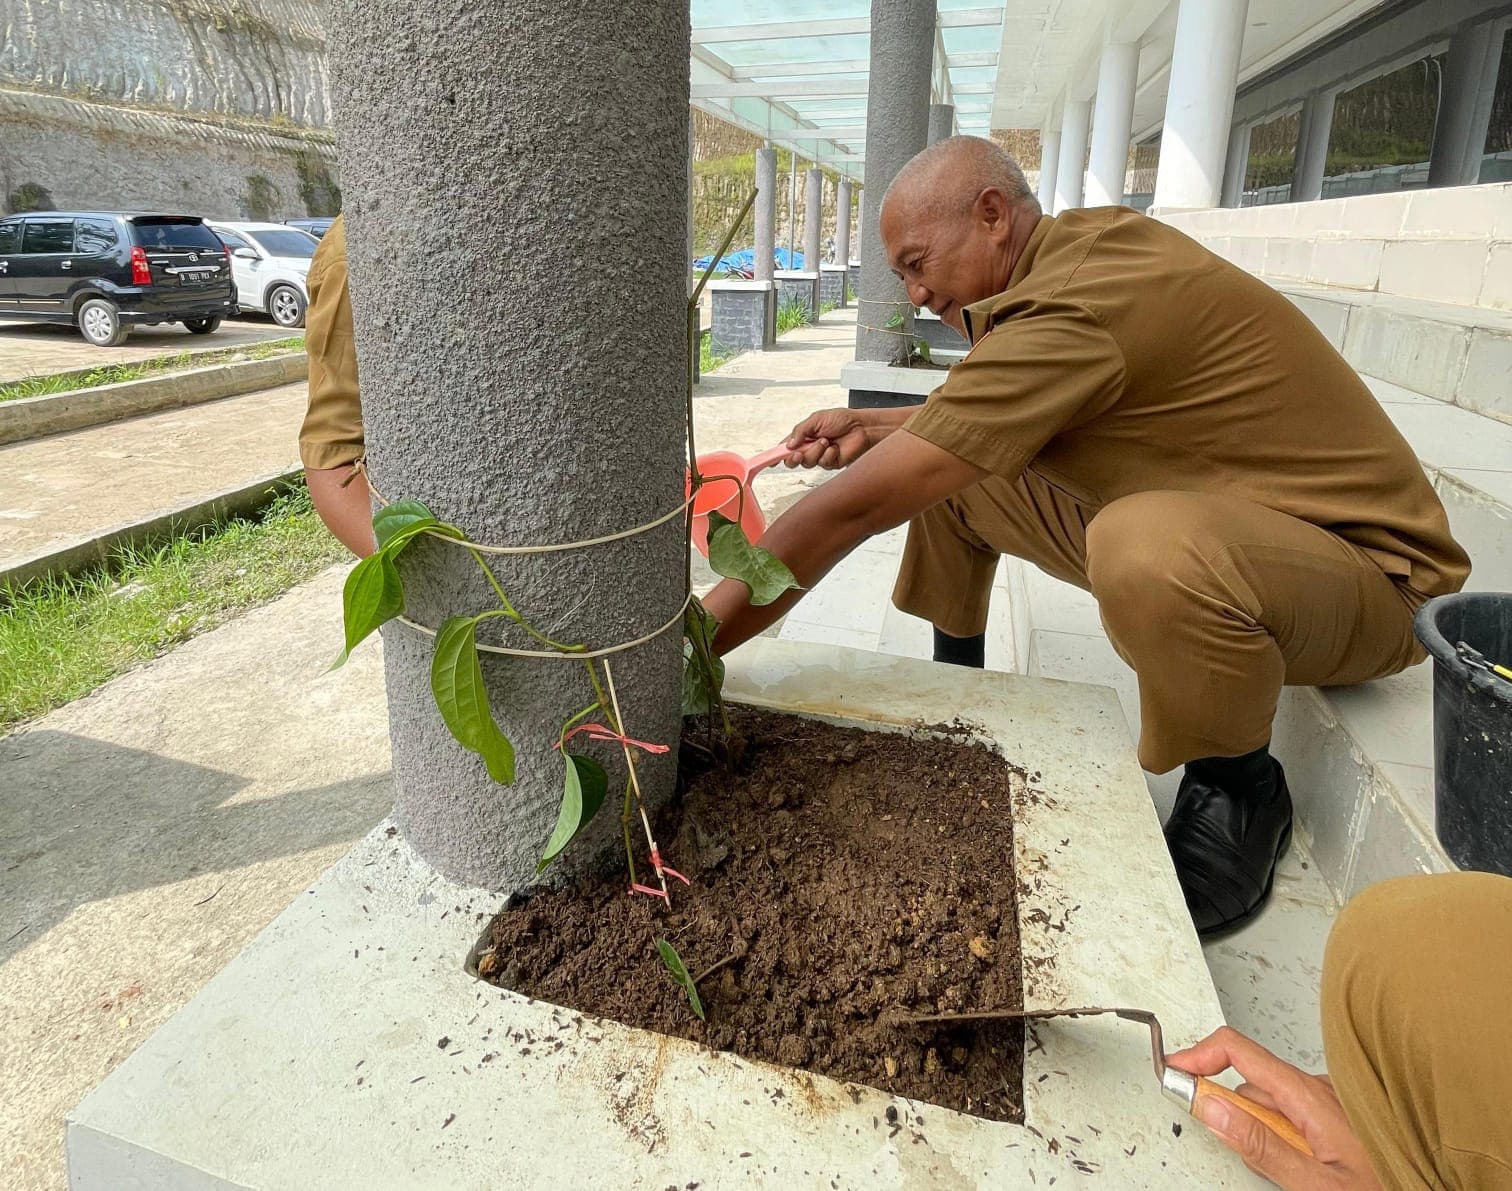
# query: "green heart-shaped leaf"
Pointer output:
{"type": "Point", "coordinates": [372, 595]}
{"type": "Point", "coordinates": [732, 555]}
{"type": "Point", "coordinates": [457, 683]}
{"type": "Point", "coordinates": [703, 671]}
{"type": "Point", "coordinates": [396, 524]}
{"type": "Point", "coordinates": [586, 786]}
{"type": "Point", "coordinates": [679, 970]}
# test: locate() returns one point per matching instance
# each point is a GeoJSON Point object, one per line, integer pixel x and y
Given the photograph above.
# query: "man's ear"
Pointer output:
{"type": "Point", "coordinates": [993, 210]}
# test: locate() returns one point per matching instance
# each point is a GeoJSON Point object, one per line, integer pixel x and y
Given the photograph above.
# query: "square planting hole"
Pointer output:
{"type": "Point", "coordinates": [841, 879]}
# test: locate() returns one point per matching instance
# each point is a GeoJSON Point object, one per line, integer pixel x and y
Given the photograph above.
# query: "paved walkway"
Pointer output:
{"type": "Point", "coordinates": [39, 349]}
{"type": "Point", "coordinates": [70, 487]}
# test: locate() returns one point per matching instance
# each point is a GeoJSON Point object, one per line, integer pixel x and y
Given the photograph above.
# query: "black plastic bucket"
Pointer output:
{"type": "Point", "coordinates": [1472, 727]}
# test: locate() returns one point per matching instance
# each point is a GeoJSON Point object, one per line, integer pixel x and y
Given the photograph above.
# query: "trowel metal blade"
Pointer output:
{"type": "Point", "coordinates": [1143, 1016]}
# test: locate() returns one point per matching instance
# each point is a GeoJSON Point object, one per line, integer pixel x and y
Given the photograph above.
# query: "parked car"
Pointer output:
{"type": "Point", "coordinates": [270, 261]}
{"type": "Point", "coordinates": [107, 271]}
{"type": "Point", "coordinates": [317, 227]}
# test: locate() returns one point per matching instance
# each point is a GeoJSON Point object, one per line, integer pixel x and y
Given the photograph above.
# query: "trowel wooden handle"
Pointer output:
{"type": "Point", "coordinates": [1271, 1119]}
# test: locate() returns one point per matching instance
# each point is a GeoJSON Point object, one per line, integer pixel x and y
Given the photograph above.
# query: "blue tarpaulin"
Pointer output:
{"type": "Point", "coordinates": [744, 261]}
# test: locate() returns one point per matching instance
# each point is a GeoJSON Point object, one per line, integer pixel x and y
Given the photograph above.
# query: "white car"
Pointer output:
{"type": "Point", "coordinates": [269, 262]}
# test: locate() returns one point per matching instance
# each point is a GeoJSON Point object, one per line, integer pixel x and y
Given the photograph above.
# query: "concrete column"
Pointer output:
{"type": "Point", "coordinates": [766, 212]}
{"type": "Point", "coordinates": [792, 228]}
{"type": "Point", "coordinates": [1112, 124]}
{"type": "Point", "coordinates": [1237, 166]}
{"type": "Point", "coordinates": [1049, 160]}
{"type": "Point", "coordinates": [563, 434]}
{"type": "Point", "coordinates": [1464, 113]}
{"type": "Point", "coordinates": [1071, 168]}
{"type": "Point", "coordinates": [843, 204]}
{"type": "Point", "coordinates": [1200, 103]}
{"type": "Point", "coordinates": [1312, 147]}
{"type": "Point", "coordinates": [941, 121]}
{"type": "Point", "coordinates": [813, 218]}
{"type": "Point", "coordinates": [897, 125]}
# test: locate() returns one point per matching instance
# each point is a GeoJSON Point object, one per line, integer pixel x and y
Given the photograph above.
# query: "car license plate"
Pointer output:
{"type": "Point", "coordinates": [198, 277]}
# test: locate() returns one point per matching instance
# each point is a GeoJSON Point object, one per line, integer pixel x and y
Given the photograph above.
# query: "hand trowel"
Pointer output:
{"type": "Point", "coordinates": [1185, 1089]}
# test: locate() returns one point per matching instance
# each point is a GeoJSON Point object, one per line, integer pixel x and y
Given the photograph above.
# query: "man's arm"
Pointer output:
{"type": "Point", "coordinates": [896, 480]}
{"type": "Point", "coordinates": [347, 511]}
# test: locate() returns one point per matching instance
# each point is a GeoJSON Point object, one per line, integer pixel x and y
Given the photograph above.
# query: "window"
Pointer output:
{"type": "Point", "coordinates": [94, 235]}
{"type": "Point", "coordinates": [10, 236]}
{"type": "Point", "coordinates": [1272, 160]}
{"type": "Point", "coordinates": [161, 235]}
{"type": "Point", "coordinates": [48, 235]}
{"type": "Point", "coordinates": [1382, 131]}
{"type": "Point", "coordinates": [287, 243]}
{"type": "Point", "coordinates": [1496, 159]}
{"type": "Point", "coordinates": [231, 239]}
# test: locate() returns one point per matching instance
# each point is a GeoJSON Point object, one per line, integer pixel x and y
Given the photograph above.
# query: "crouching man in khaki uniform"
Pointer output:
{"type": "Point", "coordinates": [1144, 420]}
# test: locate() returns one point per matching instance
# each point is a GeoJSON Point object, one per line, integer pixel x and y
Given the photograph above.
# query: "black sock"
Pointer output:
{"type": "Point", "coordinates": [961, 651]}
{"type": "Point", "coordinates": [1254, 772]}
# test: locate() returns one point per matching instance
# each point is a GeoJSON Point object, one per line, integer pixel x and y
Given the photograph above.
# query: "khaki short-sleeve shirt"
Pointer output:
{"type": "Point", "coordinates": [1124, 357]}
{"type": "Point", "coordinates": [331, 435]}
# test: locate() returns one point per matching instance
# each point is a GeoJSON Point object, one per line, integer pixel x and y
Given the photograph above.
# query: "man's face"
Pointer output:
{"type": "Point", "coordinates": [948, 261]}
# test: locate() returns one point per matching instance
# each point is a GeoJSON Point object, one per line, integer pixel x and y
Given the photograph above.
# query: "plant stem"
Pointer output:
{"type": "Point", "coordinates": [640, 798]}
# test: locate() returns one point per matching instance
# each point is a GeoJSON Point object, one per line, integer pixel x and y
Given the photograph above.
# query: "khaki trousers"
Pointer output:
{"type": "Point", "coordinates": [1417, 995]}
{"type": "Point", "coordinates": [1216, 602]}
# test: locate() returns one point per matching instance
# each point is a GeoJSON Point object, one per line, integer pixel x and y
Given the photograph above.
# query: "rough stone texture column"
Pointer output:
{"type": "Point", "coordinates": [1464, 113]}
{"type": "Point", "coordinates": [941, 121]}
{"type": "Point", "coordinates": [843, 228]}
{"type": "Point", "coordinates": [766, 212]}
{"type": "Point", "coordinates": [813, 217]}
{"type": "Point", "coordinates": [517, 156]}
{"type": "Point", "coordinates": [1200, 103]}
{"type": "Point", "coordinates": [1112, 124]}
{"type": "Point", "coordinates": [1049, 162]}
{"type": "Point", "coordinates": [1236, 166]}
{"type": "Point", "coordinates": [897, 123]}
{"type": "Point", "coordinates": [1071, 169]}
{"type": "Point", "coordinates": [1312, 147]}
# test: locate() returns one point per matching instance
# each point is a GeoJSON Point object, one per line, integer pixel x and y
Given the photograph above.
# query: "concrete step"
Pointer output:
{"type": "Point", "coordinates": [1456, 354]}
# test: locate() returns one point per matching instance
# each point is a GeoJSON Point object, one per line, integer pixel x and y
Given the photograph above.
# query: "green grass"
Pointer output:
{"type": "Point", "coordinates": [791, 314]}
{"type": "Point", "coordinates": [62, 638]}
{"type": "Point", "coordinates": [709, 357]}
{"type": "Point", "coordinates": [826, 307]}
{"type": "Point", "coordinates": [110, 374]}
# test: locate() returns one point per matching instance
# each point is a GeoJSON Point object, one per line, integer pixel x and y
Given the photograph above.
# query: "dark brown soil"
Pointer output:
{"type": "Point", "coordinates": [840, 878]}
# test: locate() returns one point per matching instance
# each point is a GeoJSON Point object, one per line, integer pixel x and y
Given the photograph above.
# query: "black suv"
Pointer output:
{"type": "Point", "coordinates": [105, 272]}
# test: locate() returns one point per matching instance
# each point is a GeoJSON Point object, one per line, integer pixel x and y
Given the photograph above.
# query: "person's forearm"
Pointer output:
{"type": "Point", "coordinates": [882, 422]}
{"type": "Point", "coordinates": [346, 511]}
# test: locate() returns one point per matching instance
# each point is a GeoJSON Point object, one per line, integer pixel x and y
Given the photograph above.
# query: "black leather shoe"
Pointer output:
{"type": "Point", "coordinates": [1231, 826]}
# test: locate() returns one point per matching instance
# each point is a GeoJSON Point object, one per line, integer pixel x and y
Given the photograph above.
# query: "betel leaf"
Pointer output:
{"type": "Point", "coordinates": [372, 595]}
{"type": "Point", "coordinates": [679, 970]}
{"type": "Point", "coordinates": [921, 349]}
{"type": "Point", "coordinates": [895, 321]}
{"type": "Point", "coordinates": [586, 786]}
{"type": "Point", "coordinates": [395, 524]}
{"type": "Point", "coordinates": [703, 671]}
{"type": "Point", "coordinates": [732, 555]}
{"type": "Point", "coordinates": [457, 683]}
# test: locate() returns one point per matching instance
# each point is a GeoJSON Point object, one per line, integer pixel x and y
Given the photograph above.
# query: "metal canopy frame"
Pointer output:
{"type": "Point", "coordinates": [800, 83]}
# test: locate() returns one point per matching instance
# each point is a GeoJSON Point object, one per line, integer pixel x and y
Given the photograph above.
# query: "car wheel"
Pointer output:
{"type": "Point", "coordinates": [287, 306]}
{"type": "Point", "coordinates": [100, 323]}
{"type": "Point", "coordinates": [204, 326]}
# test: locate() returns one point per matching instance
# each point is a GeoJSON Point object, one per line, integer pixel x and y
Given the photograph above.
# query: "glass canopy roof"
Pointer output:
{"type": "Point", "coordinates": [795, 72]}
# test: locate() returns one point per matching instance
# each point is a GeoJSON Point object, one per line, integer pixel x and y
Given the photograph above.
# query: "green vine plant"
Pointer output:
{"type": "Point", "coordinates": [374, 594]}
{"type": "Point", "coordinates": [918, 349]}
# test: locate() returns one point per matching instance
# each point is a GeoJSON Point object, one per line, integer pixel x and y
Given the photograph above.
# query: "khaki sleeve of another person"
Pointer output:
{"type": "Point", "coordinates": [331, 435]}
{"type": "Point", "coordinates": [1049, 367]}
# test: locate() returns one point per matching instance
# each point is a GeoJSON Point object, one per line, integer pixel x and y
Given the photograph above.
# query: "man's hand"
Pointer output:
{"type": "Point", "coordinates": [1308, 1101]}
{"type": "Point", "coordinates": [836, 438]}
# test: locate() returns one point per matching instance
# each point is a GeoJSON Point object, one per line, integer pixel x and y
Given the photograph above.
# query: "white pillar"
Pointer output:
{"type": "Point", "coordinates": [1049, 159]}
{"type": "Point", "coordinates": [1072, 166]}
{"type": "Point", "coordinates": [1112, 124]}
{"type": "Point", "coordinates": [1200, 103]}
{"type": "Point", "coordinates": [1312, 147]}
{"type": "Point", "coordinates": [1237, 167]}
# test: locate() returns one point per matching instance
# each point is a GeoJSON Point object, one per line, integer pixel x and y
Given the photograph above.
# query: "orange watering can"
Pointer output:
{"type": "Point", "coordinates": [727, 490]}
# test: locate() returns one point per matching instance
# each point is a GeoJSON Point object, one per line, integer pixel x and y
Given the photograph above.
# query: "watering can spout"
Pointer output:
{"type": "Point", "coordinates": [726, 489]}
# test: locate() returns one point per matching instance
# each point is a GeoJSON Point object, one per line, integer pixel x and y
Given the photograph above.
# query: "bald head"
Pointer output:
{"type": "Point", "coordinates": [945, 180]}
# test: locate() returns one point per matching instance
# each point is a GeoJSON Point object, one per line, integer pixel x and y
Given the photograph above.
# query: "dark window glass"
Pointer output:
{"type": "Point", "coordinates": [10, 236]}
{"type": "Point", "coordinates": [94, 235]}
{"type": "Point", "coordinates": [51, 235]}
{"type": "Point", "coordinates": [1382, 131]}
{"type": "Point", "coordinates": [1496, 164]}
{"type": "Point", "coordinates": [1272, 161]}
{"type": "Point", "coordinates": [168, 235]}
{"type": "Point", "coordinates": [231, 239]}
{"type": "Point", "coordinates": [289, 243]}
